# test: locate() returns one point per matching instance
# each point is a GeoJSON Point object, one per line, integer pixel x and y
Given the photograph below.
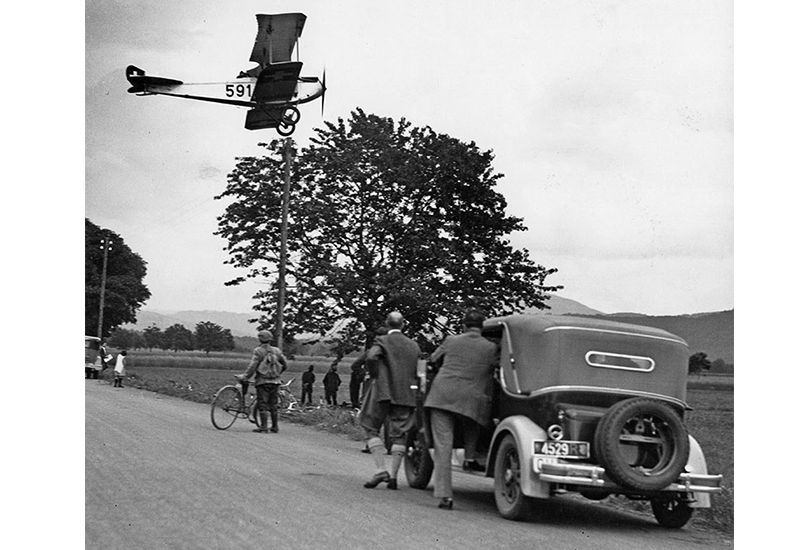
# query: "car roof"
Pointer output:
{"type": "Point", "coordinates": [559, 353]}
{"type": "Point", "coordinates": [545, 323]}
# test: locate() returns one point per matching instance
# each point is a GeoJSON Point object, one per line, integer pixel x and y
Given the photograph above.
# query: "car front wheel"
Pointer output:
{"type": "Point", "coordinates": [418, 464]}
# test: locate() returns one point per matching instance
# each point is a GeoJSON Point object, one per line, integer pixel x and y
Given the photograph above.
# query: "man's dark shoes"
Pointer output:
{"type": "Point", "coordinates": [446, 504]}
{"type": "Point", "coordinates": [392, 484]}
{"type": "Point", "coordinates": [377, 479]}
{"type": "Point", "coordinates": [473, 466]}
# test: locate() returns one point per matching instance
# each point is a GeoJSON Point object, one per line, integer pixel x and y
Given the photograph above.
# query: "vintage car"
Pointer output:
{"type": "Point", "coordinates": [93, 364]}
{"type": "Point", "coordinates": [588, 406]}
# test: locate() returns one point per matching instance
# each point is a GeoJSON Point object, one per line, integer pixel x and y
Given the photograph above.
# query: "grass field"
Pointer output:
{"type": "Point", "coordinates": [196, 377]}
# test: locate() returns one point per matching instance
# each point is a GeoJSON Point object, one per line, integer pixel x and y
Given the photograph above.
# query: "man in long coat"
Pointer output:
{"type": "Point", "coordinates": [461, 393]}
{"type": "Point", "coordinates": [392, 365]}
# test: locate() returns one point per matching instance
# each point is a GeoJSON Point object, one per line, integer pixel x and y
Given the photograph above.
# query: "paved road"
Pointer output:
{"type": "Point", "coordinates": [158, 475]}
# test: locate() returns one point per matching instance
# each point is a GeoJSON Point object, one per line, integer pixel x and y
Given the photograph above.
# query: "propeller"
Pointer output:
{"type": "Point", "coordinates": [322, 99]}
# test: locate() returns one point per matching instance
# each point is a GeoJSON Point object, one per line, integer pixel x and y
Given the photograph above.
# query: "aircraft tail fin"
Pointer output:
{"type": "Point", "coordinates": [140, 82]}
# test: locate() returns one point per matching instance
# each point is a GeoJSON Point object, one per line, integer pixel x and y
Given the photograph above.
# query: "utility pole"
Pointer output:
{"type": "Point", "coordinates": [105, 244]}
{"type": "Point", "coordinates": [287, 157]}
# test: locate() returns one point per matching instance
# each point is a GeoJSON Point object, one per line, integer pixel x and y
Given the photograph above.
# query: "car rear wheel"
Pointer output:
{"type": "Point", "coordinates": [511, 502]}
{"type": "Point", "coordinates": [642, 444]}
{"type": "Point", "coordinates": [418, 464]}
{"type": "Point", "coordinates": [671, 513]}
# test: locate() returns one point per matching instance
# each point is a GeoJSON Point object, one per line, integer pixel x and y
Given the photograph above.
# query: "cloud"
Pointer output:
{"type": "Point", "coordinates": [612, 122]}
{"type": "Point", "coordinates": [141, 25]}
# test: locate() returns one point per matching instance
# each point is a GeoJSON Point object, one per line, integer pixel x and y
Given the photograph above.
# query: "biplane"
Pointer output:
{"type": "Point", "coordinates": [272, 90]}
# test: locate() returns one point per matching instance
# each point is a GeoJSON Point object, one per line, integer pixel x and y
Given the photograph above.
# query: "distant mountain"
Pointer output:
{"type": "Point", "coordinates": [237, 323]}
{"type": "Point", "coordinates": [711, 333]}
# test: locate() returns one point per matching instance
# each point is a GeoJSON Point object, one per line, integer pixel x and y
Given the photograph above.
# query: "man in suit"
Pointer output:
{"type": "Point", "coordinates": [461, 393]}
{"type": "Point", "coordinates": [392, 365]}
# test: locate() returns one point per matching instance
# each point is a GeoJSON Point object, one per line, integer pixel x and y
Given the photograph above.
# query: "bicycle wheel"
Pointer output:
{"type": "Point", "coordinates": [227, 405]}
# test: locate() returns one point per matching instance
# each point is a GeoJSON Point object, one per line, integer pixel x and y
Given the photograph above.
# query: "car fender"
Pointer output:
{"type": "Point", "coordinates": [697, 465]}
{"type": "Point", "coordinates": [524, 431]}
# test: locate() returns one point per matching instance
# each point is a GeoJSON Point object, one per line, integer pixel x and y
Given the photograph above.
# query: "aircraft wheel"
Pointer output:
{"type": "Point", "coordinates": [291, 116]}
{"type": "Point", "coordinates": [285, 129]}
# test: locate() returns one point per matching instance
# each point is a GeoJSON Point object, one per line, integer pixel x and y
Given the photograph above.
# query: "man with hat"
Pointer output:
{"type": "Point", "coordinates": [267, 364]}
{"type": "Point", "coordinates": [460, 394]}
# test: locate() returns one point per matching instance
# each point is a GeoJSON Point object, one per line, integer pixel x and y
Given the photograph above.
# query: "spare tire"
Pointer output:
{"type": "Point", "coordinates": [642, 443]}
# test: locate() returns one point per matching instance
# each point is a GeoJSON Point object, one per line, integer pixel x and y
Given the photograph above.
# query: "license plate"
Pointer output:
{"type": "Point", "coordinates": [563, 449]}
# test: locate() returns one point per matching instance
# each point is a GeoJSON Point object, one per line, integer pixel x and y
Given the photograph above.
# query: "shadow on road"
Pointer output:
{"type": "Point", "coordinates": [560, 511]}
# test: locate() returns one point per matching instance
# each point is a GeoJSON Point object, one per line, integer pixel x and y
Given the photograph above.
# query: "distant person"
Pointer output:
{"type": "Point", "coordinates": [119, 369]}
{"type": "Point", "coordinates": [460, 394]}
{"type": "Point", "coordinates": [331, 382]}
{"type": "Point", "coordinates": [357, 370]}
{"type": "Point", "coordinates": [392, 364]}
{"type": "Point", "coordinates": [104, 357]}
{"type": "Point", "coordinates": [267, 364]}
{"type": "Point", "coordinates": [307, 385]}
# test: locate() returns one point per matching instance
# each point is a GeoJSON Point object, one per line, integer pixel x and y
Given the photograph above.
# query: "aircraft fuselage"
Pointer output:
{"type": "Point", "coordinates": [237, 92]}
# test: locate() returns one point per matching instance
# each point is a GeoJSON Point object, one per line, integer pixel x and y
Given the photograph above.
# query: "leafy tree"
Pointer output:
{"type": "Point", "coordinates": [720, 366]}
{"type": "Point", "coordinates": [383, 216]}
{"type": "Point", "coordinates": [123, 338]}
{"type": "Point", "coordinates": [177, 337]}
{"type": "Point", "coordinates": [210, 336]}
{"type": "Point", "coordinates": [125, 290]}
{"type": "Point", "coordinates": [154, 337]}
{"type": "Point", "coordinates": [699, 362]}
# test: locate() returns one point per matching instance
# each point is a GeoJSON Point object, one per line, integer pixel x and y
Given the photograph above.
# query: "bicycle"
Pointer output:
{"type": "Point", "coordinates": [232, 402]}
{"type": "Point", "coordinates": [286, 401]}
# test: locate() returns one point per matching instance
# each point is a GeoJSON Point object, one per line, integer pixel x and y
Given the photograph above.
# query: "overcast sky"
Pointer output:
{"type": "Point", "coordinates": [611, 120]}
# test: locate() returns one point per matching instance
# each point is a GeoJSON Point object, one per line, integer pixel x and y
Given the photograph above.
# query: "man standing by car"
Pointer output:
{"type": "Point", "coordinates": [267, 364]}
{"type": "Point", "coordinates": [392, 364]}
{"type": "Point", "coordinates": [461, 393]}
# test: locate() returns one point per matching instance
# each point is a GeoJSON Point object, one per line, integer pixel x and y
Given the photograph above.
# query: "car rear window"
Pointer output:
{"type": "Point", "coordinates": [609, 360]}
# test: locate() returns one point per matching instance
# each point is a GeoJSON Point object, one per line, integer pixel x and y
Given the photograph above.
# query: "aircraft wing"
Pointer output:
{"type": "Point", "coordinates": [276, 37]}
{"type": "Point", "coordinates": [277, 82]}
